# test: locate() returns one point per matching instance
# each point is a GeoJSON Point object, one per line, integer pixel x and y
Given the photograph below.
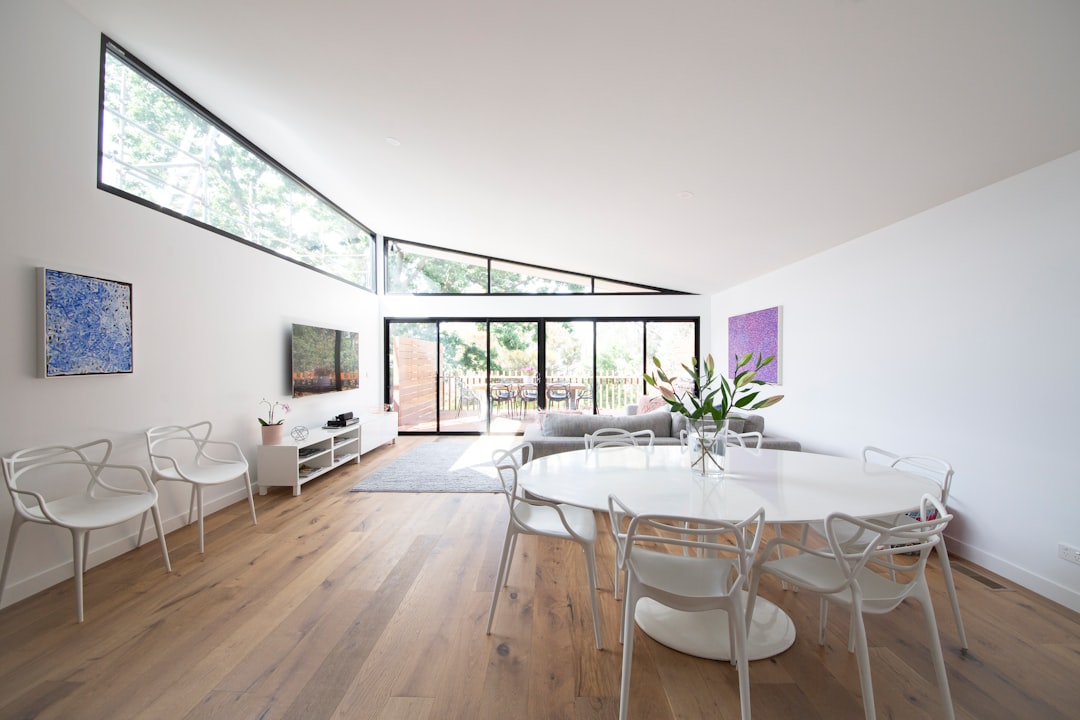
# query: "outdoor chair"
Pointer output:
{"type": "Point", "coordinates": [466, 396]}
{"type": "Point", "coordinates": [504, 395]}
{"type": "Point", "coordinates": [529, 396]}
{"type": "Point", "coordinates": [558, 393]}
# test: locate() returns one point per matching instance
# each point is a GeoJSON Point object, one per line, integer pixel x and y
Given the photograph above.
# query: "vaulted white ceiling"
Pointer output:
{"type": "Point", "coordinates": [684, 144]}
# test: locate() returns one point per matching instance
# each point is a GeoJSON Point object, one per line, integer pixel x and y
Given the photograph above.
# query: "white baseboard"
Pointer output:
{"type": "Point", "coordinates": [1049, 589]}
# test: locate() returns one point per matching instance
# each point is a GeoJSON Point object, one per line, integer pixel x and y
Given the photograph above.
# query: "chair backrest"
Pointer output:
{"type": "Point", "coordinates": [886, 548]}
{"type": "Point", "coordinates": [37, 476]}
{"type": "Point", "coordinates": [558, 391]}
{"type": "Point", "coordinates": [506, 468]}
{"type": "Point", "coordinates": [464, 391]}
{"type": "Point", "coordinates": [507, 462]}
{"type": "Point", "coordinates": [30, 483]}
{"type": "Point", "coordinates": [179, 444]}
{"type": "Point", "coordinates": [934, 468]}
{"type": "Point", "coordinates": [619, 437]}
{"type": "Point", "coordinates": [688, 536]}
{"type": "Point", "coordinates": [503, 392]}
{"type": "Point", "coordinates": [750, 440]}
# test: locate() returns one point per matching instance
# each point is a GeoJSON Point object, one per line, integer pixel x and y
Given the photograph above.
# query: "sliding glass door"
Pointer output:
{"type": "Point", "coordinates": [496, 376]}
{"type": "Point", "coordinates": [512, 385]}
{"type": "Point", "coordinates": [413, 370]}
{"type": "Point", "coordinates": [463, 361]}
{"type": "Point", "coordinates": [568, 366]}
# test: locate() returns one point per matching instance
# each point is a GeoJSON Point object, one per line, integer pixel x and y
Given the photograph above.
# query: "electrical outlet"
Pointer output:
{"type": "Point", "coordinates": [1069, 553]}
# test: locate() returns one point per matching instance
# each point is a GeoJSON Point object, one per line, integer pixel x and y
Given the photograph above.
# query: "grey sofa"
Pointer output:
{"type": "Point", "coordinates": [563, 432]}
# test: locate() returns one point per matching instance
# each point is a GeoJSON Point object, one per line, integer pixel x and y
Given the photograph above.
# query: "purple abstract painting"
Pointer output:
{"type": "Point", "coordinates": [758, 333]}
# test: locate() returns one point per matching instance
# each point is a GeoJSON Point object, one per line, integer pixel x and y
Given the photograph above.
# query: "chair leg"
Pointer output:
{"type": "Point", "coordinates": [199, 501]}
{"type": "Point", "coordinates": [627, 651]}
{"type": "Point", "coordinates": [142, 527]}
{"type": "Point", "coordinates": [510, 558]}
{"type": "Point", "coordinates": [922, 593]}
{"type": "Point", "coordinates": [950, 586]}
{"type": "Point", "coordinates": [251, 498]}
{"type": "Point", "coordinates": [78, 551]}
{"type": "Point", "coordinates": [618, 573]}
{"type": "Point", "coordinates": [16, 523]}
{"type": "Point", "coordinates": [191, 504]}
{"type": "Point", "coordinates": [737, 621]}
{"type": "Point", "coordinates": [504, 570]}
{"type": "Point", "coordinates": [751, 598]}
{"type": "Point", "coordinates": [160, 534]}
{"type": "Point", "coordinates": [823, 617]}
{"type": "Point", "coordinates": [862, 652]}
{"type": "Point", "coordinates": [590, 567]}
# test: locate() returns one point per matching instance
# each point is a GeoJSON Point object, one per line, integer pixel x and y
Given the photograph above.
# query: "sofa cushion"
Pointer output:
{"type": "Point", "coordinates": [560, 425]}
{"type": "Point", "coordinates": [648, 403]}
{"type": "Point", "coordinates": [750, 423]}
{"type": "Point", "coordinates": [737, 423]}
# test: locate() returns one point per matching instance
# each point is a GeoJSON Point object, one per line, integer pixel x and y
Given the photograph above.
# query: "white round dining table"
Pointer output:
{"type": "Point", "coordinates": [793, 487]}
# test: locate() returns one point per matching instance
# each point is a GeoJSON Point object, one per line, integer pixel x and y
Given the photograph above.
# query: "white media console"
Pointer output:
{"type": "Point", "coordinates": [295, 462]}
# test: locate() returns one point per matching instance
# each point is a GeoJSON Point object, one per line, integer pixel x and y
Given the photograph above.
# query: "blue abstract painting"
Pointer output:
{"type": "Point", "coordinates": [87, 327]}
{"type": "Point", "coordinates": [758, 333]}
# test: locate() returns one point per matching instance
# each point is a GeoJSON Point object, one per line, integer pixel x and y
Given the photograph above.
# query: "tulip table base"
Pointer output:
{"type": "Point", "coordinates": [705, 634]}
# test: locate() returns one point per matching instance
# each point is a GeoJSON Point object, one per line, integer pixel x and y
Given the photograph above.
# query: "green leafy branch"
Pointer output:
{"type": "Point", "coordinates": [715, 396]}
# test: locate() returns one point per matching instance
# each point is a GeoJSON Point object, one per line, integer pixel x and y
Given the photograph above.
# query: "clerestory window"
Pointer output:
{"type": "Point", "coordinates": [161, 149]}
{"type": "Point", "coordinates": [415, 269]}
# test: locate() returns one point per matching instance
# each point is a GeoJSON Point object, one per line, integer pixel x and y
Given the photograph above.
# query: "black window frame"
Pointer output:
{"type": "Point", "coordinates": [107, 46]}
{"type": "Point", "coordinates": [646, 290]}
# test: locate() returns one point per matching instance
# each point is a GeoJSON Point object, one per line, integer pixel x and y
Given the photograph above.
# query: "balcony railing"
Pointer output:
{"type": "Point", "coordinates": [610, 396]}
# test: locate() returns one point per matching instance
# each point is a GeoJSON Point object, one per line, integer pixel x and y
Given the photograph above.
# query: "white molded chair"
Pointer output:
{"type": "Point", "coordinates": [710, 572]}
{"type": "Point", "coordinates": [531, 516]}
{"type": "Point", "coordinates": [874, 579]}
{"type": "Point", "coordinates": [618, 437]}
{"type": "Point", "coordinates": [42, 481]}
{"type": "Point", "coordinates": [183, 453]}
{"type": "Point", "coordinates": [940, 472]}
{"type": "Point", "coordinates": [751, 440]}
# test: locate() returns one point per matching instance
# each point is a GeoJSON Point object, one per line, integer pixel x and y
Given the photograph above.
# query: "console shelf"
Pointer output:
{"type": "Point", "coordinates": [295, 462]}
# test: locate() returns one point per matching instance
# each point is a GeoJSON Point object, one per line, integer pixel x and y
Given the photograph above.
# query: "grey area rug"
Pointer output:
{"type": "Point", "coordinates": [454, 466]}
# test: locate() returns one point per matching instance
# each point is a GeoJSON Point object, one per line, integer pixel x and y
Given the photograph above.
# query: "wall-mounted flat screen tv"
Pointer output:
{"type": "Point", "coordinates": [324, 360]}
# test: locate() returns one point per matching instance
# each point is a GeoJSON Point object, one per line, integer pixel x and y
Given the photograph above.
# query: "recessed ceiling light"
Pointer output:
{"type": "Point", "coordinates": [393, 141]}
{"type": "Point", "coordinates": [685, 195]}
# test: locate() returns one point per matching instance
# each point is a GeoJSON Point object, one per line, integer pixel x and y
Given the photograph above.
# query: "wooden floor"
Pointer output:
{"type": "Point", "coordinates": [373, 605]}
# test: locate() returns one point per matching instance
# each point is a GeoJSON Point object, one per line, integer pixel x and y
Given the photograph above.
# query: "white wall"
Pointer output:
{"type": "Point", "coordinates": [211, 316]}
{"type": "Point", "coordinates": [951, 333]}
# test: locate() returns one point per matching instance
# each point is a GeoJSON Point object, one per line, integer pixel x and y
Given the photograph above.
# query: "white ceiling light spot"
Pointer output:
{"type": "Point", "coordinates": [685, 195]}
{"type": "Point", "coordinates": [393, 141]}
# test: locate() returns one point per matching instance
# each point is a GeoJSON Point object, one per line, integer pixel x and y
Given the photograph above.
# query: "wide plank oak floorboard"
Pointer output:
{"type": "Point", "coordinates": [374, 605]}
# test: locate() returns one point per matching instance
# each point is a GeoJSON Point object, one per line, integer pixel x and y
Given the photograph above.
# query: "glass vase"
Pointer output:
{"type": "Point", "coordinates": [707, 446]}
